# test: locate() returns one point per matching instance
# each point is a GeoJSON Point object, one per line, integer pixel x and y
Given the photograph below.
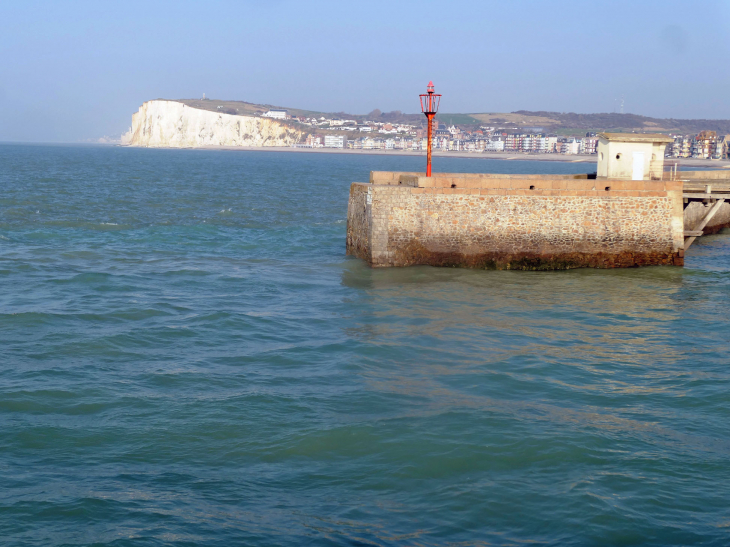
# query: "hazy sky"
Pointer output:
{"type": "Point", "coordinates": [77, 70]}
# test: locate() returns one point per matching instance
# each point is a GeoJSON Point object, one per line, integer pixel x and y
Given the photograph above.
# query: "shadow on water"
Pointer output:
{"type": "Point", "coordinates": [647, 292]}
{"type": "Point", "coordinates": [581, 347]}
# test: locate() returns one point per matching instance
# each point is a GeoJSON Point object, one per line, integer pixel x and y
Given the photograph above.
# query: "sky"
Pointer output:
{"type": "Point", "coordinates": [77, 70]}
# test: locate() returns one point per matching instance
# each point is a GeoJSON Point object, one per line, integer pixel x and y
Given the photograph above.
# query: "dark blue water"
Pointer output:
{"type": "Point", "coordinates": [188, 358]}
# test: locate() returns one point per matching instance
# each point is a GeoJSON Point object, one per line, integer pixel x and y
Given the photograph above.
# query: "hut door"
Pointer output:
{"type": "Point", "coordinates": [638, 172]}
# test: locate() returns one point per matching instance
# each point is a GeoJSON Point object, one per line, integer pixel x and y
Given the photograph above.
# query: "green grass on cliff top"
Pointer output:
{"type": "Point", "coordinates": [561, 123]}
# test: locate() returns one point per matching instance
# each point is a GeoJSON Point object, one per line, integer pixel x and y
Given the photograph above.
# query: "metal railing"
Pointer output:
{"type": "Point", "coordinates": [671, 171]}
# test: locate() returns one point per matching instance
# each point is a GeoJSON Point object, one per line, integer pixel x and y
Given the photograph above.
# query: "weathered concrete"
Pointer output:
{"type": "Point", "coordinates": [621, 155]}
{"type": "Point", "coordinates": [515, 221]}
{"type": "Point", "coordinates": [716, 175]}
{"type": "Point", "coordinates": [695, 211]}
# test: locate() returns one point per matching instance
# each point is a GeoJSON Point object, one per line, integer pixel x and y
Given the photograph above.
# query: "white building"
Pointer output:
{"type": "Point", "coordinates": [589, 145]}
{"type": "Point", "coordinates": [314, 141]}
{"type": "Point", "coordinates": [277, 114]}
{"type": "Point", "coordinates": [551, 144]}
{"type": "Point", "coordinates": [634, 156]}
{"type": "Point", "coordinates": [334, 141]}
{"type": "Point", "coordinates": [570, 146]}
{"type": "Point", "coordinates": [496, 145]}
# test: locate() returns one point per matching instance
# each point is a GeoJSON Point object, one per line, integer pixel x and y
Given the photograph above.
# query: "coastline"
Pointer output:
{"type": "Point", "coordinates": [573, 158]}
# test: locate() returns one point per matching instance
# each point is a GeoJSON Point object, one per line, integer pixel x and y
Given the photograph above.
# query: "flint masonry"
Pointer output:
{"type": "Point", "coordinates": [515, 222]}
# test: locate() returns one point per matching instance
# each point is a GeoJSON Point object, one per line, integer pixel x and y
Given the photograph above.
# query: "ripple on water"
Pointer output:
{"type": "Point", "coordinates": [189, 359]}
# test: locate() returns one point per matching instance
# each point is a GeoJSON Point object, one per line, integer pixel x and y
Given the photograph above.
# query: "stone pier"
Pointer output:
{"type": "Point", "coordinates": [526, 222]}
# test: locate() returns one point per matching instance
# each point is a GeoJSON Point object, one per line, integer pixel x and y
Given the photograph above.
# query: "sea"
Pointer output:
{"type": "Point", "coordinates": [188, 358]}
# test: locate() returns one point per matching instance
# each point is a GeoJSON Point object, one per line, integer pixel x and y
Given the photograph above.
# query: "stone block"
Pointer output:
{"type": "Point", "coordinates": [654, 185]}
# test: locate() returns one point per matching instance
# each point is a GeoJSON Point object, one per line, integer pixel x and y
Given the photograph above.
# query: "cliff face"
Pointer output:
{"type": "Point", "coordinates": [169, 124]}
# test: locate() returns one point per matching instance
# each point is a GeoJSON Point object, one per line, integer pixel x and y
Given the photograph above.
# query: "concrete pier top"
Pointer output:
{"type": "Point", "coordinates": [535, 183]}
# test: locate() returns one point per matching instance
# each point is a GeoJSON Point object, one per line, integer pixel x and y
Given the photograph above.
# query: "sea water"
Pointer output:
{"type": "Point", "coordinates": [187, 357]}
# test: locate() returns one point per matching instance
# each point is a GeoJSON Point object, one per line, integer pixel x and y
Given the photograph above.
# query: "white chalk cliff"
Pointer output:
{"type": "Point", "coordinates": [170, 124]}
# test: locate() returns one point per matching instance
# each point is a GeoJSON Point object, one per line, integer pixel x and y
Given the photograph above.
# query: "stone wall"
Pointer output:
{"type": "Point", "coordinates": [516, 222]}
{"type": "Point", "coordinates": [359, 226]}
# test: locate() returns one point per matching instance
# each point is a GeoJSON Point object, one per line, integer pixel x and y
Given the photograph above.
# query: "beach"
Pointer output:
{"type": "Point", "coordinates": [509, 156]}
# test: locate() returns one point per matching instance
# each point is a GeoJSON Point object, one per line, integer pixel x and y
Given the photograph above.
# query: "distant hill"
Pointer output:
{"type": "Point", "coordinates": [628, 122]}
{"type": "Point", "coordinates": [565, 123]}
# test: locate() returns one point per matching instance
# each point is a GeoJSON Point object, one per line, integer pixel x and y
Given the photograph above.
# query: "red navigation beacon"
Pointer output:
{"type": "Point", "coordinates": [429, 106]}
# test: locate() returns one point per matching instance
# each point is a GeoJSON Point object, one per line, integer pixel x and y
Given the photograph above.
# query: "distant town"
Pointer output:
{"type": "Point", "coordinates": [375, 135]}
